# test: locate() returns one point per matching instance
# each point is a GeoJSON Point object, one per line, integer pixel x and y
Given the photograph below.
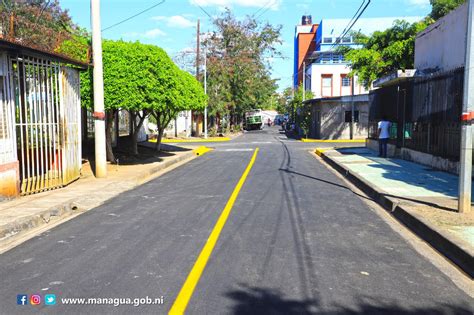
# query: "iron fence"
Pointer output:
{"type": "Point", "coordinates": [425, 113]}
{"type": "Point", "coordinates": [47, 122]}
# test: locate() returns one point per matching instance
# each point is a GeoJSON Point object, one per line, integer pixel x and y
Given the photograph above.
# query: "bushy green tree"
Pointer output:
{"type": "Point", "coordinates": [139, 78]}
{"type": "Point", "coordinates": [384, 51]}
{"type": "Point", "coordinates": [238, 69]}
{"type": "Point", "coordinates": [440, 8]}
{"type": "Point", "coordinates": [179, 91]}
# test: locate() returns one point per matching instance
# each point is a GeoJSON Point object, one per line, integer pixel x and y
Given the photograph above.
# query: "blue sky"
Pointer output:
{"type": "Point", "coordinates": [172, 25]}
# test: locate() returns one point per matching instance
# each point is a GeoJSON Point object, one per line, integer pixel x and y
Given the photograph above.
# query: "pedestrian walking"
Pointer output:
{"type": "Point", "coordinates": [384, 135]}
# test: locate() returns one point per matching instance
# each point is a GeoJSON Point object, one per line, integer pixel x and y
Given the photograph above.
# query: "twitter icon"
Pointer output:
{"type": "Point", "coordinates": [50, 299]}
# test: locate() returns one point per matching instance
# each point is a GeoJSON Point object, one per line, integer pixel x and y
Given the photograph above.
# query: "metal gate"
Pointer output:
{"type": "Point", "coordinates": [47, 106]}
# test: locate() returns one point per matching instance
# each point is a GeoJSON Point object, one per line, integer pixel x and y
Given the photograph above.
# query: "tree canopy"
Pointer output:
{"type": "Point", "coordinates": [143, 80]}
{"type": "Point", "coordinates": [384, 51]}
{"type": "Point", "coordinates": [440, 8]}
{"type": "Point", "coordinates": [238, 64]}
{"type": "Point", "coordinates": [40, 24]}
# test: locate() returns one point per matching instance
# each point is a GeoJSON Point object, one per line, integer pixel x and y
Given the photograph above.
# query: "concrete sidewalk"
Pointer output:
{"type": "Point", "coordinates": [423, 199]}
{"type": "Point", "coordinates": [24, 215]}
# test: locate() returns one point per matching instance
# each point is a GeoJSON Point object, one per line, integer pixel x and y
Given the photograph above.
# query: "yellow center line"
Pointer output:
{"type": "Point", "coordinates": [184, 295]}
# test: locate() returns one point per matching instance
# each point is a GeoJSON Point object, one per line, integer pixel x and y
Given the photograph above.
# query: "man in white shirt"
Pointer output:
{"type": "Point", "coordinates": [384, 135]}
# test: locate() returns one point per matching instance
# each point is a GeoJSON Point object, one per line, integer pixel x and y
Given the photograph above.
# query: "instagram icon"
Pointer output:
{"type": "Point", "coordinates": [35, 299]}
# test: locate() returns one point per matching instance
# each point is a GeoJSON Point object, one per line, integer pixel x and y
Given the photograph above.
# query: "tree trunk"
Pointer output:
{"type": "Point", "coordinates": [158, 139]}
{"type": "Point", "coordinates": [108, 135]}
{"type": "Point", "coordinates": [136, 130]}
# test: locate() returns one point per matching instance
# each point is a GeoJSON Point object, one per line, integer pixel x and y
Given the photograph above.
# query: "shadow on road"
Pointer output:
{"type": "Point", "coordinates": [254, 300]}
{"type": "Point", "coordinates": [324, 181]}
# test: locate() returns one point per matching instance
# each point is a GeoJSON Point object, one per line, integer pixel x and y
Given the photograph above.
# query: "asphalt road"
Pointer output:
{"type": "Point", "coordinates": [297, 241]}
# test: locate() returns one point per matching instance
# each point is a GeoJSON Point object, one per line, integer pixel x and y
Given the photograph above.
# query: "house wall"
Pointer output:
{"type": "Point", "coordinates": [442, 45]}
{"type": "Point", "coordinates": [316, 72]}
{"type": "Point", "coordinates": [333, 125]}
{"type": "Point", "coordinates": [328, 118]}
{"type": "Point", "coordinates": [9, 171]}
{"type": "Point", "coordinates": [181, 126]}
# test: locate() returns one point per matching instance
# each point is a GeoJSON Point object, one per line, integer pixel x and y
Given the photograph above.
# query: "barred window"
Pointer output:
{"type": "Point", "coordinates": [345, 81]}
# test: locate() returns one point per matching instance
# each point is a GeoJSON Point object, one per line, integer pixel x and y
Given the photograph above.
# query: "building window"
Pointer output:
{"type": "Point", "coordinates": [327, 82]}
{"type": "Point", "coordinates": [345, 81]}
{"type": "Point", "coordinates": [327, 40]}
{"type": "Point", "coordinates": [346, 39]}
{"type": "Point", "coordinates": [326, 85]}
{"type": "Point", "coordinates": [348, 114]}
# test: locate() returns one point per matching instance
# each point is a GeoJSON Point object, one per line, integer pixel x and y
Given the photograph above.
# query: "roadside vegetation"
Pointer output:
{"type": "Point", "coordinates": [386, 51]}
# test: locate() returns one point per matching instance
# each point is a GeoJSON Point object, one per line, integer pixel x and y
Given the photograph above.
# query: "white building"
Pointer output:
{"type": "Point", "coordinates": [326, 69]}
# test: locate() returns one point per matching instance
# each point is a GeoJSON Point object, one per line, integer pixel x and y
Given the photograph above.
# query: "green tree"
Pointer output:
{"type": "Point", "coordinates": [238, 68]}
{"type": "Point", "coordinates": [136, 79]}
{"type": "Point", "coordinates": [384, 51]}
{"type": "Point", "coordinates": [440, 8]}
{"type": "Point", "coordinates": [284, 101]}
{"type": "Point", "coordinates": [38, 23]}
{"type": "Point", "coordinates": [178, 91]}
{"type": "Point", "coordinates": [301, 111]}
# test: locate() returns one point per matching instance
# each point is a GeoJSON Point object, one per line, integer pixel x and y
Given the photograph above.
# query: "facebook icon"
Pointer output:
{"type": "Point", "coordinates": [21, 299]}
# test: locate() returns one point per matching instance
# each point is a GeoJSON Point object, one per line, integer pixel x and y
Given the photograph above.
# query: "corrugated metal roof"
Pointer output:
{"type": "Point", "coordinates": [21, 48]}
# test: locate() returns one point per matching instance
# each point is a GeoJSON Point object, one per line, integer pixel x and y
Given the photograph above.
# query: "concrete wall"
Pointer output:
{"type": "Point", "coordinates": [333, 125]}
{"type": "Point", "coordinates": [329, 118]}
{"type": "Point", "coordinates": [9, 180]}
{"type": "Point", "coordinates": [316, 73]}
{"type": "Point", "coordinates": [442, 46]}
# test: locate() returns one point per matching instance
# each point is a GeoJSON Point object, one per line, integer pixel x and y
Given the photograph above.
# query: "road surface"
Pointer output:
{"type": "Point", "coordinates": [296, 241]}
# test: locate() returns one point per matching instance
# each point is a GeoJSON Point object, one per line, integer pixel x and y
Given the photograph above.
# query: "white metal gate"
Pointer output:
{"type": "Point", "coordinates": [47, 105]}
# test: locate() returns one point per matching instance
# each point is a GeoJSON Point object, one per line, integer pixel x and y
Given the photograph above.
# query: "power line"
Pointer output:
{"type": "Point", "coordinates": [207, 13]}
{"type": "Point", "coordinates": [261, 8]}
{"type": "Point", "coordinates": [133, 16]}
{"type": "Point", "coordinates": [349, 27]}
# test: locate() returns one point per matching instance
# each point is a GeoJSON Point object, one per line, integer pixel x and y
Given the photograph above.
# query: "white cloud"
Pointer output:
{"type": "Point", "coordinates": [153, 33]}
{"type": "Point", "coordinates": [178, 21]}
{"type": "Point", "coordinates": [272, 4]}
{"type": "Point", "coordinates": [419, 3]}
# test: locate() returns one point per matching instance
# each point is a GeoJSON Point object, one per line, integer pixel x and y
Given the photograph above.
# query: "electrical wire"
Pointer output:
{"type": "Point", "coordinates": [261, 8]}
{"type": "Point", "coordinates": [207, 13]}
{"type": "Point", "coordinates": [134, 16]}
{"type": "Point", "coordinates": [339, 39]}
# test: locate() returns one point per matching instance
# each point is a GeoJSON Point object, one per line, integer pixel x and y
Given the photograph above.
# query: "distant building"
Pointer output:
{"type": "Point", "coordinates": [305, 43]}
{"type": "Point", "coordinates": [326, 69]}
{"type": "Point", "coordinates": [331, 117]}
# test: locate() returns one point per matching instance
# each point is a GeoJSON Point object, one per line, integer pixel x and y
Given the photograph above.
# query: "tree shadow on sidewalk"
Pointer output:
{"type": "Point", "coordinates": [146, 154]}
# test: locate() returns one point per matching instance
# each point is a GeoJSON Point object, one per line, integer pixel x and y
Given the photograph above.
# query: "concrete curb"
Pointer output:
{"type": "Point", "coordinates": [29, 222]}
{"type": "Point", "coordinates": [437, 239]}
{"type": "Point", "coordinates": [333, 141]}
{"type": "Point", "coordinates": [70, 207]}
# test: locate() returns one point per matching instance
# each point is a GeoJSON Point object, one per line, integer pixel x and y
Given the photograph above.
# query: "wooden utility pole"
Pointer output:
{"type": "Point", "coordinates": [198, 42]}
{"type": "Point", "coordinates": [198, 48]}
